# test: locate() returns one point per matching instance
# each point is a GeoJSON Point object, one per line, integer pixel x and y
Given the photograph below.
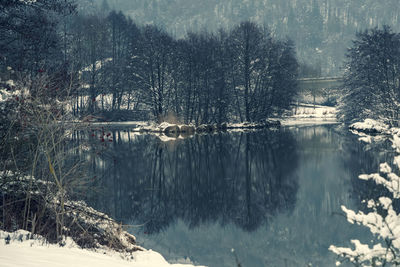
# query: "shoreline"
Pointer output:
{"type": "Point", "coordinates": [90, 237]}
{"type": "Point", "coordinates": [286, 121]}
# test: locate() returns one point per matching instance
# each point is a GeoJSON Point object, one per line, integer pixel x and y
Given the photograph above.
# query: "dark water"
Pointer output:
{"type": "Point", "coordinates": [273, 196]}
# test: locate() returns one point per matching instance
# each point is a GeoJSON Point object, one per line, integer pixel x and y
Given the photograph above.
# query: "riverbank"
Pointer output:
{"type": "Point", "coordinates": [167, 132]}
{"type": "Point", "coordinates": [62, 231]}
{"type": "Point", "coordinates": [308, 121]}
{"type": "Point", "coordinates": [373, 131]}
{"type": "Point", "coordinates": [18, 251]}
{"type": "Point", "coordinates": [304, 114]}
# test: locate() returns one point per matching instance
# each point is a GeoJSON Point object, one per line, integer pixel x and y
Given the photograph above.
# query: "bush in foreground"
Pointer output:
{"type": "Point", "coordinates": [383, 221]}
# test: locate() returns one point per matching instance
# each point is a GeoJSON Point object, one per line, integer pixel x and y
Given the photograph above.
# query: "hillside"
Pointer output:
{"type": "Point", "coordinates": [321, 29]}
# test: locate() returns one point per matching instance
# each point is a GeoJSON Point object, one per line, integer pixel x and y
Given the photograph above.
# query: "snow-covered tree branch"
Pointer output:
{"type": "Point", "coordinates": [383, 220]}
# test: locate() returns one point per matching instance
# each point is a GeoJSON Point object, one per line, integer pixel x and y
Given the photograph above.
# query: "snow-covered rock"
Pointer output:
{"type": "Point", "coordinates": [169, 129]}
{"type": "Point", "coordinates": [205, 128]}
{"type": "Point", "coordinates": [187, 129]}
{"type": "Point", "coordinates": [370, 126]}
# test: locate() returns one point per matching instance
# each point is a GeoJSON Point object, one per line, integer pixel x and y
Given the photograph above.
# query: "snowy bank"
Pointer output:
{"type": "Point", "coordinates": [174, 130]}
{"type": "Point", "coordinates": [370, 126]}
{"type": "Point", "coordinates": [309, 111]}
{"type": "Point", "coordinates": [308, 114]}
{"type": "Point", "coordinates": [88, 237]}
{"type": "Point", "coordinates": [88, 227]}
{"type": "Point", "coordinates": [308, 121]}
{"type": "Point", "coordinates": [373, 131]}
{"type": "Point", "coordinates": [23, 250]}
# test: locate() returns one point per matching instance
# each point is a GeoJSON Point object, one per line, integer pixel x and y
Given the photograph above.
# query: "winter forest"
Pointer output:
{"type": "Point", "coordinates": [217, 133]}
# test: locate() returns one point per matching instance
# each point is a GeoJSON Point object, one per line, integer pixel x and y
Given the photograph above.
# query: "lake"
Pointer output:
{"type": "Point", "coordinates": [273, 196]}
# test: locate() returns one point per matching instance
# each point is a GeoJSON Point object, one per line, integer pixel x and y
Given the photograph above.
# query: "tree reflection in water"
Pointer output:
{"type": "Point", "coordinates": [274, 196]}
{"type": "Point", "coordinates": [240, 178]}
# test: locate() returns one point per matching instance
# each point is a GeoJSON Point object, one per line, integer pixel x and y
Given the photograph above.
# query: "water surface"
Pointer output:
{"type": "Point", "coordinates": [273, 196]}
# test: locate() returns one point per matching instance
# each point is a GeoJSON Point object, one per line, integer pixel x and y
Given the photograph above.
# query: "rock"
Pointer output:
{"type": "Point", "coordinates": [188, 129]}
{"type": "Point", "coordinates": [204, 128]}
{"type": "Point", "coordinates": [142, 129]}
{"type": "Point", "coordinates": [172, 131]}
{"type": "Point", "coordinates": [223, 126]}
{"type": "Point", "coordinates": [273, 123]}
{"type": "Point", "coordinates": [370, 126]}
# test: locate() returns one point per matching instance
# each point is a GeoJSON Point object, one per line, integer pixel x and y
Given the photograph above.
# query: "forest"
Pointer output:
{"type": "Point", "coordinates": [321, 29]}
{"type": "Point", "coordinates": [108, 66]}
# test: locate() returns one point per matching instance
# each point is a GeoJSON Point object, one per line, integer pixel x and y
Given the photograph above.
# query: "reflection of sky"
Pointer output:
{"type": "Point", "coordinates": [294, 239]}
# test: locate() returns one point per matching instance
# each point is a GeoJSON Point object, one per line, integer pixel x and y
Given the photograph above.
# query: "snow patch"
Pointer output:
{"type": "Point", "coordinates": [97, 65]}
{"type": "Point", "coordinates": [370, 125]}
{"type": "Point", "coordinates": [24, 249]}
{"type": "Point", "coordinates": [314, 111]}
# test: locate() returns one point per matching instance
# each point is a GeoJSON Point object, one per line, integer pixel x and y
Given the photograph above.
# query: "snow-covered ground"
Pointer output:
{"type": "Point", "coordinates": [369, 126]}
{"type": "Point", "coordinates": [22, 252]}
{"type": "Point", "coordinates": [313, 111]}
{"type": "Point", "coordinates": [306, 122]}
{"type": "Point", "coordinates": [304, 114]}
{"type": "Point", "coordinates": [308, 114]}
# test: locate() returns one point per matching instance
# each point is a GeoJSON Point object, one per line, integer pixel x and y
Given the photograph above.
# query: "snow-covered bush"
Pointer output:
{"type": "Point", "coordinates": [383, 220]}
{"type": "Point", "coordinates": [370, 126]}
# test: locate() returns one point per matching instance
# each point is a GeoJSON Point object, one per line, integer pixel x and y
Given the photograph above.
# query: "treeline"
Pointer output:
{"type": "Point", "coordinates": [321, 29]}
{"type": "Point", "coordinates": [110, 65]}
{"type": "Point", "coordinates": [372, 78]}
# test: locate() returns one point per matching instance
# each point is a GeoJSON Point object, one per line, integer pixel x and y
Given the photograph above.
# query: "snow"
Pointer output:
{"type": "Point", "coordinates": [314, 111]}
{"type": "Point", "coordinates": [241, 125]}
{"type": "Point", "coordinates": [305, 122]}
{"type": "Point", "coordinates": [4, 95]}
{"type": "Point", "coordinates": [396, 143]}
{"type": "Point", "coordinates": [361, 252]}
{"type": "Point", "coordinates": [8, 90]}
{"type": "Point", "coordinates": [164, 125]}
{"type": "Point", "coordinates": [34, 252]}
{"type": "Point", "coordinates": [28, 1]}
{"type": "Point", "coordinates": [154, 128]}
{"type": "Point", "coordinates": [370, 125]}
{"type": "Point", "coordinates": [392, 180]}
{"type": "Point", "coordinates": [25, 249]}
{"type": "Point", "coordinates": [164, 138]}
{"type": "Point", "coordinates": [308, 114]}
{"type": "Point", "coordinates": [10, 83]}
{"type": "Point", "coordinates": [98, 65]}
{"type": "Point", "coordinates": [392, 183]}
{"type": "Point", "coordinates": [385, 202]}
{"type": "Point", "coordinates": [396, 161]}
{"type": "Point", "coordinates": [365, 139]}
{"type": "Point", "coordinates": [385, 227]}
{"type": "Point", "coordinates": [121, 123]}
